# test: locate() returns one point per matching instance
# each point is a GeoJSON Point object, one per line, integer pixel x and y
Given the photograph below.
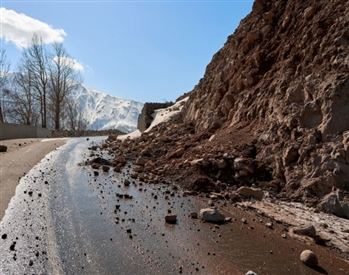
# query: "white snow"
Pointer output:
{"type": "Point", "coordinates": [160, 116]}
{"type": "Point", "coordinates": [133, 135]}
{"type": "Point", "coordinates": [163, 115]}
{"type": "Point", "coordinates": [52, 139]}
{"type": "Point", "coordinates": [107, 112]}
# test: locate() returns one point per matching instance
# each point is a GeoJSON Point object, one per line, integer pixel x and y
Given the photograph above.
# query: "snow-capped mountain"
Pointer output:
{"type": "Point", "coordinates": [101, 111]}
{"type": "Point", "coordinates": [104, 111]}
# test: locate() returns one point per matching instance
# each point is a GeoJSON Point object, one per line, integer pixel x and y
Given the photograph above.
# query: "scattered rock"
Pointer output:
{"type": "Point", "coordinates": [112, 137]}
{"type": "Point", "coordinates": [221, 164]}
{"type": "Point", "coordinates": [140, 161]}
{"type": "Point", "coordinates": [171, 218]}
{"type": "Point", "coordinates": [100, 161]}
{"type": "Point", "coordinates": [211, 215]}
{"type": "Point", "coordinates": [12, 247]}
{"type": "Point", "coordinates": [234, 196]}
{"type": "Point", "coordinates": [269, 225]}
{"type": "Point", "coordinates": [194, 215]}
{"type": "Point", "coordinates": [196, 161]}
{"type": "Point", "coordinates": [149, 166]}
{"type": "Point", "coordinates": [247, 192]}
{"type": "Point", "coordinates": [134, 175]}
{"type": "Point", "coordinates": [308, 230]}
{"type": "Point", "coordinates": [138, 169]}
{"type": "Point", "coordinates": [176, 154]}
{"type": "Point", "coordinates": [308, 13]}
{"type": "Point", "coordinates": [120, 160]}
{"type": "Point", "coordinates": [243, 164]}
{"type": "Point", "coordinates": [127, 182]}
{"type": "Point", "coordinates": [105, 168]}
{"type": "Point", "coordinates": [322, 238]}
{"type": "Point", "coordinates": [227, 219]}
{"type": "Point", "coordinates": [251, 273]}
{"type": "Point", "coordinates": [309, 258]}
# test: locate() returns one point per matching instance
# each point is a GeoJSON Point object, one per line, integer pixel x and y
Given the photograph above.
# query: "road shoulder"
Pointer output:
{"type": "Point", "coordinates": [21, 156]}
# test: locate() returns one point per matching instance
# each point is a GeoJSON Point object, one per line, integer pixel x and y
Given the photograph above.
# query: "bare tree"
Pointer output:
{"type": "Point", "coordinates": [76, 118]}
{"type": "Point", "coordinates": [64, 78]}
{"type": "Point", "coordinates": [24, 107]}
{"type": "Point", "coordinates": [33, 66]}
{"type": "Point", "coordinates": [4, 70]}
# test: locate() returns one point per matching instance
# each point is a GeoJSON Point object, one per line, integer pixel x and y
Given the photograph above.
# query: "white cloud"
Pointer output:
{"type": "Point", "coordinates": [19, 29]}
{"type": "Point", "coordinates": [71, 62]}
{"type": "Point", "coordinates": [78, 66]}
{"type": "Point", "coordinates": [88, 69]}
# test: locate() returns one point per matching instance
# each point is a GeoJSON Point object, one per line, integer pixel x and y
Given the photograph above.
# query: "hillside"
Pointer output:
{"type": "Point", "coordinates": [280, 87]}
{"type": "Point", "coordinates": [270, 111]}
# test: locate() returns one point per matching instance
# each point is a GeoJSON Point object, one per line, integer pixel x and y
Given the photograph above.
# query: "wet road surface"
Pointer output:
{"type": "Point", "coordinates": [65, 220]}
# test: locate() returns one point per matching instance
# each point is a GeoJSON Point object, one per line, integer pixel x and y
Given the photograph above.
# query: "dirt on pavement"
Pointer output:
{"type": "Point", "coordinates": [20, 157]}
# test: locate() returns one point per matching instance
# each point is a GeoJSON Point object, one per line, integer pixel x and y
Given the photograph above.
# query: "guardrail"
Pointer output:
{"type": "Point", "coordinates": [12, 131]}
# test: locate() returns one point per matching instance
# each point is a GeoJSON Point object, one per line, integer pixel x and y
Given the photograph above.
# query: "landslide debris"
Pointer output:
{"type": "Point", "coordinates": [270, 112]}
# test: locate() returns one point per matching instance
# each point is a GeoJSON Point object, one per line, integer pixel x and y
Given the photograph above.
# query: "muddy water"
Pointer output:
{"type": "Point", "coordinates": [76, 223]}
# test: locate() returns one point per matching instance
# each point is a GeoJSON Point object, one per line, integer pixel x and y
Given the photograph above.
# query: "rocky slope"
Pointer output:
{"type": "Point", "coordinates": [284, 73]}
{"type": "Point", "coordinates": [269, 112]}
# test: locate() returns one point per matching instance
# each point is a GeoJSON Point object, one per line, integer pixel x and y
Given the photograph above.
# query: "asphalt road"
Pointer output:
{"type": "Point", "coordinates": [66, 220]}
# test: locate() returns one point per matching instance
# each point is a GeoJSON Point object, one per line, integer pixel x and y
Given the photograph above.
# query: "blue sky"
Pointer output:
{"type": "Point", "coordinates": [148, 51]}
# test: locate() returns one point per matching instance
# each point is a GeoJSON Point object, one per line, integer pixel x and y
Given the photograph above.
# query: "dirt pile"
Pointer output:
{"type": "Point", "coordinates": [270, 111]}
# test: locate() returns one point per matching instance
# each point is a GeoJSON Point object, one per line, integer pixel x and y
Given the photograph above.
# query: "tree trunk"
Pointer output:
{"type": "Point", "coordinates": [1, 116]}
{"type": "Point", "coordinates": [57, 116]}
{"type": "Point", "coordinates": [44, 112]}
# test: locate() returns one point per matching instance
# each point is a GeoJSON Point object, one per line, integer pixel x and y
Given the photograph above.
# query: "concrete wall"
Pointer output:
{"type": "Point", "coordinates": [12, 131]}
{"type": "Point", "coordinates": [145, 118]}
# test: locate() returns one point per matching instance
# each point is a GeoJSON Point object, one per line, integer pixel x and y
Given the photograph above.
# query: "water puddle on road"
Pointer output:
{"type": "Point", "coordinates": [74, 222]}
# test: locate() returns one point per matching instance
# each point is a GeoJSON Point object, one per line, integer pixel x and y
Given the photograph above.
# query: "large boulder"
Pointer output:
{"type": "Point", "coordinates": [211, 215]}
{"type": "Point", "coordinates": [307, 230]}
{"type": "Point", "coordinates": [309, 258]}
{"type": "Point", "coordinates": [247, 192]}
{"type": "Point", "coordinates": [3, 148]}
{"type": "Point", "coordinates": [336, 204]}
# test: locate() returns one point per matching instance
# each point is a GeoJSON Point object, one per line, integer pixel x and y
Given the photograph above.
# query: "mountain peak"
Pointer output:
{"type": "Point", "coordinates": [106, 111]}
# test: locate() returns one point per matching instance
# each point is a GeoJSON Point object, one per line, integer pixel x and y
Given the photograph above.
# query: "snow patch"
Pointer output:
{"type": "Point", "coordinates": [160, 116]}
{"type": "Point", "coordinates": [163, 115]}
{"type": "Point", "coordinates": [52, 139]}
{"type": "Point", "coordinates": [133, 135]}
